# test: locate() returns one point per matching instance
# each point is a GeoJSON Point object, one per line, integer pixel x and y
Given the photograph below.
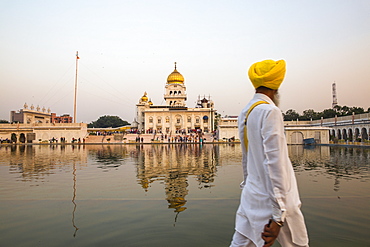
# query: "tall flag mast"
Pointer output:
{"type": "Point", "coordinates": [75, 98]}
{"type": "Point", "coordinates": [334, 89]}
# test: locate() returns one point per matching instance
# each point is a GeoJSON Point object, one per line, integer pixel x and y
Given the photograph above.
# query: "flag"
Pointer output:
{"type": "Point", "coordinates": [77, 56]}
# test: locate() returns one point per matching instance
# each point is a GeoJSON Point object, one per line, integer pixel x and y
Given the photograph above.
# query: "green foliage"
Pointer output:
{"type": "Point", "coordinates": [3, 121]}
{"type": "Point", "coordinates": [308, 115]}
{"type": "Point", "coordinates": [327, 113]}
{"type": "Point", "coordinates": [217, 120]}
{"type": "Point", "coordinates": [291, 115]}
{"type": "Point", "coordinates": [108, 121]}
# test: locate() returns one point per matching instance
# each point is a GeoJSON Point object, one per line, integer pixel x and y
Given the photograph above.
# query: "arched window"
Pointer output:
{"type": "Point", "coordinates": [170, 92]}
{"type": "Point", "coordinates": [364, 134]}
{"type": "Point", "coordinates": [13, 137]}
{"type": "Point", "coordinates": [333, 133]}
{"type": "Point", "coordinates": [297, 137]}
{"type": "Point", "coordinates": [205, 119]}
{"type": "Point", "coordinates": [150, 120]}
{"type": "Point", "coordinates": [159, 120]}
{"type": "Point", "coordinates": [167, 119]}
{"type": "Point", "coordinates": [197, 120]}
{"type": "Point", "coordinates": [22, 138]}
{"type": "Point", "coordinates": [357, 134]}
{"type": "Point", "coordinates": [189, 119]}
{"type": "Point", "coordinates": [339, 135]}
{"type": "Point", "coordinates": [350, 135]}
{"type": "Point", "coordinates": [345, 134]}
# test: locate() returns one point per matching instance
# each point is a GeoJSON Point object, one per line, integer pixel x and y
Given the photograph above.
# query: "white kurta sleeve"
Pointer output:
{"type": "Point", "coordinates": [276, 162]}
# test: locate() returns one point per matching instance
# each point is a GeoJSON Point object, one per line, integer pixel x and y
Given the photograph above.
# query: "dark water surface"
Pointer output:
{"type": "Point", "coordinates": [167, 195]}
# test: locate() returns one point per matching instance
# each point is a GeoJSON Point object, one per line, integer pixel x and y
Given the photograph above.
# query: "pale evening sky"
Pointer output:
{"type": "Point", "coordinates": [129, 47]}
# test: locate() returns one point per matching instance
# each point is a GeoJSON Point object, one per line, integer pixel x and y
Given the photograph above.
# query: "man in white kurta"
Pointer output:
{"type": "Point", "coordinates": [269, 188]}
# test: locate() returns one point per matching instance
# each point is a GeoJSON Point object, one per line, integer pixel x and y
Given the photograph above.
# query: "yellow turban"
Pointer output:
{"type": "Point", "coordinates": [267, 73]}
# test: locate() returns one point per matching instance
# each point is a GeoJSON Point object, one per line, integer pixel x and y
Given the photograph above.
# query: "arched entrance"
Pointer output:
{"type": "Point", "coordinates": [339, 134]}
{"type": "Point", "coordinates": [364, 134]}
{"type": "Point", "coordinates": [22, 138]}
{"type": "Point", "coordinates": [333, 133]}
{"type": "Point", "coordinates": [357, 134]}
{"type": "Point", "coordinates": [297, 137]}
{"type": "Point", "coordinates": [345, 137]}
{"type": "Point", "coordinates": [350, 135]}
{"type": "Point", "coordinates": [13, 137]}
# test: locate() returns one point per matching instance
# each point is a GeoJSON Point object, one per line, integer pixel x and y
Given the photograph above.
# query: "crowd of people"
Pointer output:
{"type": "Point", "coordinates": [63, 140]}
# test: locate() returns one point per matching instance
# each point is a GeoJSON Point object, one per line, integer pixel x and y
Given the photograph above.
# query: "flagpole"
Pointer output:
{"type": "Point", "coordinates": [75, 98]}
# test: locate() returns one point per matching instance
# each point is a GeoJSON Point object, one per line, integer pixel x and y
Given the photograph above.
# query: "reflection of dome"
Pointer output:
{"type": "Point", "coordinates": [144, 98]}
{"type": "Point", "coordinates": [175, 77]}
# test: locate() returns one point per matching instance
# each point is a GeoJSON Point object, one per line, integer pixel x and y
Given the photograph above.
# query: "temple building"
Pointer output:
{"type": "Point", "coordinates": [175, 116]}
{"type": "Point", "coordinates": [37, 115]}
{"type": "Point", "coordinates": [30, 116]}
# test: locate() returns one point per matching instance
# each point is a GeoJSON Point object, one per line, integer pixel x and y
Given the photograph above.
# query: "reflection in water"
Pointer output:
{"type": "Point", "coordinates": [73, 199]}
{"type": "Point", "coordinates": [118, 182]}
{"type": "Point", "coordinates": [109, 157]}
{"type": "Point", "coordinates": [338, 163]}
{"type": "Point", "coordinates": [172, 165]}
{"type": "Point", "coordinates": [36, 162]}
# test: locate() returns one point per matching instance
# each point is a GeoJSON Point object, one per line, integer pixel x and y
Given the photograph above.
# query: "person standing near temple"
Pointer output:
{"type": "Point", "coordinates": [270, 205]}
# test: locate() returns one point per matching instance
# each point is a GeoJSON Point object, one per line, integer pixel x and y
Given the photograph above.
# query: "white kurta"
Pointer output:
{"type": "Point", "coordinates": [269, 184]}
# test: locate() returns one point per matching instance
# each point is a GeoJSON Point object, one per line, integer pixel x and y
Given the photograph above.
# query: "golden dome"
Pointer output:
{"type": "Point", "coordinates": [144, 98]}
{"type": "Point", "coordinates": [175, 77]}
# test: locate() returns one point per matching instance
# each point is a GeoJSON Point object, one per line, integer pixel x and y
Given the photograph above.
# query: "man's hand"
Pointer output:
{"type": "Point", "coordinates": [270, 233]}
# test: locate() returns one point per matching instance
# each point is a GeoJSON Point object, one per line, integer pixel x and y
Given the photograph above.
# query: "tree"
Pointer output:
{"type": "Point", "coordinates": [3, 121]}
{"type": "Point", "coordinates": [344, 111]}
{"type": "Point", "coordinates": [291, 115]}
{"type": "Point", "coordinates": [356, 110]}
{"type": "Point", "coordinates": [107, 121]}
{"type": "Point", "coordinates": [217, 120]}
{"type": "Point", "coordinates": [309, 114]}
{"type": "Point", "coordinates": [337, 108]}
{"type": "Point", "coordinates": [329, 113]}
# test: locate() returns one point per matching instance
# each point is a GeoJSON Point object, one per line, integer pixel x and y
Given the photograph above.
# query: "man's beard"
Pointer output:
{"type": "Point", "coordinates": [276, 99]}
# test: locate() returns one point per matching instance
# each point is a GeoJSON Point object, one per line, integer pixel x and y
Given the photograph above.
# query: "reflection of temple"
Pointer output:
{"type": "Point", "coordinates": [176, 189]}
{"type": "Point", "coordinates": [35, 162]}
{"type": "Point", "coordinates": [173, 164]}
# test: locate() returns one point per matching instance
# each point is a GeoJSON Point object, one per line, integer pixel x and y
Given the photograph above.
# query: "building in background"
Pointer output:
{"type": "Point", "coordinates": [30, 116]}
{"type": "Point", "coordinates": [65, 118]}
{"type": "Point", "coordinates": [37, 115]}
{"type": "Point", "coordinates": [175, 117]}
{"type": "Point", "coordinates": [228, 128]}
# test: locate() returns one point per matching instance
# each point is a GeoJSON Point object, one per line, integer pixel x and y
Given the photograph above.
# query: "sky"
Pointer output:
{"type": "Point", "coordinates": [128, 47]}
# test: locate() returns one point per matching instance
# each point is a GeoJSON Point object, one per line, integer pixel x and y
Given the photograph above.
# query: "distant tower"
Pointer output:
{"type": "Point", "coordinates": [335, 101]}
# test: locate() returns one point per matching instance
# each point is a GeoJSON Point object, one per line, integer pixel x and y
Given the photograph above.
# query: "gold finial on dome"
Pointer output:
{"type": "Point", "coordinates": [175, 77]}
{"type": "Point", "coordinates": [144, 98]}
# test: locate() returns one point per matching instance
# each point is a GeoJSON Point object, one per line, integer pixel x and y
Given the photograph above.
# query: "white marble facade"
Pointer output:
{"type": "Point", "coordinates": [175, 116]}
